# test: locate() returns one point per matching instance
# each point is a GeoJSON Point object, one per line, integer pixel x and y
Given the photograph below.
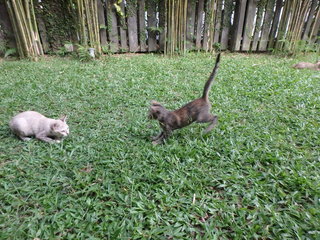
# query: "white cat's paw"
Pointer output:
{"type": "Point", "coordinates": [57, 141]}
{"type": "Point", "coordinates": [25, 138]}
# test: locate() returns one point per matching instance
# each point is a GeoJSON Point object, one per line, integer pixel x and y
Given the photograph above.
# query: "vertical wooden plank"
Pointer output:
{"type": "Point", "coordinates": [266, 25]}
{"type": "Point", "coordinates": [217, 28]}
{"type": "Point", "coordinates": [112, 27]}
{"type": "Point", "coordinates": [275, 23]}
{"type": "Point", "coordinates": [248, 28]}
{"type": "Point", "coordinates": [199, 23]}
{"type": "Point", "coordinates": [257, 28]}
{"type": "Point", "coordinates": [162, 24]}
{"type": "Point", "coordinates": [6, 25]}
{"type": "Point", "coordinates": [132, 25]}
{"type": "Point", "coordinates": [315, 28]}
{"type": "Point", "coordinates": [102, 23]}
{"type": "Point", "coordinates": [284, 23]}
{"type": "Point", "coordinates": [142, 26]}
{"type": "Point", "coordinates": [226, 23]}
{"type": "Point", "coordinates": [43, 34]}
{"type": "Point", "coordinates": [191, 15]}
{"type": "Point", "coordinates": [152, 26]}
{"type": "Point", "coordinates": [123, 29]}
{"type": "Point", "coordinates": [205, 44]}
{"type": "Point", "coordinates": [238, 24]}
{"type": "Point", "coordinates": [310, 19]}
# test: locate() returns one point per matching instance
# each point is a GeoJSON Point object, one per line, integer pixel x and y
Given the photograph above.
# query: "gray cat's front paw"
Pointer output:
{"type": "Point", "coordinates": [157, 142]}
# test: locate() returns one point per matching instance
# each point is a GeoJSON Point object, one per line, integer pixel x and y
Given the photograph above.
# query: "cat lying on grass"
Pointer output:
{"type": "Point", "coordinates": [313, 66]}
{"type": "Point", "coordinates": [30, 123]}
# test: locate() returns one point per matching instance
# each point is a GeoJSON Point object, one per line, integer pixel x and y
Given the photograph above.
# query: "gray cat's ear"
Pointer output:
{"type": "Point", "coordinates": [155, 103]}
{"type": "Point", "coordinates": [64, 118]}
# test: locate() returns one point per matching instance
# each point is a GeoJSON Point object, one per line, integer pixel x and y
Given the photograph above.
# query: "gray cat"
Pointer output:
{"type": "Point", "coordinates": [30, 123]}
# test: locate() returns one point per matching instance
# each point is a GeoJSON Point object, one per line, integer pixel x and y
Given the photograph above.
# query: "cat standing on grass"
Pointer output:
{"type": "Point", "coordinates": [195, 111]}
{"type": "Point", "coordinates": [30, 123]}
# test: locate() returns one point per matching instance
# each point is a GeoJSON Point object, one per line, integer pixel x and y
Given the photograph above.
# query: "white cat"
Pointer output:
{"type": "Point", "coordinates": [301, 65]}
{"type": "Point", "coordinates": [30, 123]}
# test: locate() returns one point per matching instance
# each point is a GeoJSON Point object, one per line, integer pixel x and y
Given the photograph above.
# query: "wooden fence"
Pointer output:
{"type": "Point", "coordinates": [236, 25]}
{"type": "Point", "coordinates": [243, 25]}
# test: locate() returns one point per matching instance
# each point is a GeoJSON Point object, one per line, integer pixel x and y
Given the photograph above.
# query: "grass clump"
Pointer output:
{"type": "Point", "coordinates": [256, 175]}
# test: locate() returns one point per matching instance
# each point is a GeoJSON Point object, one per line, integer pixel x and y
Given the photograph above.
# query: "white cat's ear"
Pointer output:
{"type": "Point", "coordinates": [64, 118]}
{"type": "Point", "coordinates": [54, 126]}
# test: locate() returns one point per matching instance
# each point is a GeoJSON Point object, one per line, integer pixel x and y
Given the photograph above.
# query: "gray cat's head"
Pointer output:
{"type": "Point", "coordinates": [157, 111]}
{"type": "Point", "coordinates": [60, 128]}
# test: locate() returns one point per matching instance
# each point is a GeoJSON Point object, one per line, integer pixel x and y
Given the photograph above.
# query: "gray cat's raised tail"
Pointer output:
{"type": "Point", "coordinates": [210, 80]}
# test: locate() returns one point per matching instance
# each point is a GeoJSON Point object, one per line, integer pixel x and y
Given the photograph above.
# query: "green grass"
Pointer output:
{"type": "Point", "coordinates": [255, 176]}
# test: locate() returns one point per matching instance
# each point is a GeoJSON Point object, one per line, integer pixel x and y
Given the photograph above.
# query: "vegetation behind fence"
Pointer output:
{"type": "Point", "coordinates": [166, 25]}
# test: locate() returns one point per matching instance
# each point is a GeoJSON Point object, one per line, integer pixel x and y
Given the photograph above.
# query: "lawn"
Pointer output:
{"type": "Point", "coordinates": [255, 176]}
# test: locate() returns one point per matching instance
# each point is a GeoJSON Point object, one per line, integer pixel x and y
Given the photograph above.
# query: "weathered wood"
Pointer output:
{"type": "Point", "coordinates": [312, 11]}
{"type": "Point", "coordinates": [112, 27]}
{"type": "Point", "coordinates": [238, 24]}
{"type": "Point", "coordinates": [152, 26]}
{"type": "Point", "coordinates": [199, 23]}
{"type": "Point", "coordinates": [217, 28]}
{"type": "Point", "coordinates": [132, 25]}
{"type": "Point", "coordinates": [249, 22]}
{"type": "Point", "coordinates": [300, 13]}
{"type": "Point", "coordinates": [283, 24]}
{"type": "Point", "coordinates": [5, 24]}
{"type": "Point", "coordinates": [43, 35]}
{"type": "Point", "coordinates": [206, 30]}
{"type": "Point", "coordinates": [162, 24]}
{"type": "Point", "coordinates": [227, 12]}
{"type": "Point", "coordinates": [315, 28]}
{"type": "Point", "coordinates": [142, 26]}
{"type": "Point", "coordinates": [191, 14]}
{"type": "Point", "coordinates": [102, 23]}
{"type": "Point", "coordinates": [258, 26]}
{"type": "Point", "coordinates": [275, 24]}
{"type": "Point", "coordinates": [123, 29]}
{"type": "Point", "coordinates": [266, 25]}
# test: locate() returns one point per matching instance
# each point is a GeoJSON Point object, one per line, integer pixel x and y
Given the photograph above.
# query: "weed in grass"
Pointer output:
{"type": "Point", "coordinates": [256, 175]}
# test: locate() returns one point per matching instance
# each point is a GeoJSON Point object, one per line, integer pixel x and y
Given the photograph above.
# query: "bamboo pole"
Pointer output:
{"type": "Point", "coordinates": [35, 29]}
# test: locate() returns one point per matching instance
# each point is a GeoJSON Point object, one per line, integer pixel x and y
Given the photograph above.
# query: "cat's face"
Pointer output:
{"type": "Point", "coordinates": [60, 128]}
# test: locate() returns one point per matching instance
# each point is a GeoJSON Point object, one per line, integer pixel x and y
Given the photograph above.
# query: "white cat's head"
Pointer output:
{"type": "Point", "coordinates": [60, 128]}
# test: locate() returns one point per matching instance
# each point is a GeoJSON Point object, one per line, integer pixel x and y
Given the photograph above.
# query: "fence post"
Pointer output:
{"type": "Point", "coordinates": [248, 28]}
{"type": "Point", "coordinates": [228, 7]}
{"type": "Point", "coordinates": [142, 26]}
{"type": "Point", "coordinates": [102, 22]}
{"type": "Point", "coordinates": [132, 25]}
{"type": "Point", "coordinates": [112, 27]}
{"type": "Point", "coordinates": [123, 29]}
{"type": "Point", "coordinates": [266, 26]}
{"type": "Point", "coordinates": [152, 26]}
{"type": "Point", "coordinates": [191, 13]}
{"type": "Point", "coordinates": [199, 23]}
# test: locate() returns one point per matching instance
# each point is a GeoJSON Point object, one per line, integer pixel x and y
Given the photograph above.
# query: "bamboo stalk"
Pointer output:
{"type": "Point", "coordinates": [35, 29]}
{"type": "Point", "coordinates": [21, 30]}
